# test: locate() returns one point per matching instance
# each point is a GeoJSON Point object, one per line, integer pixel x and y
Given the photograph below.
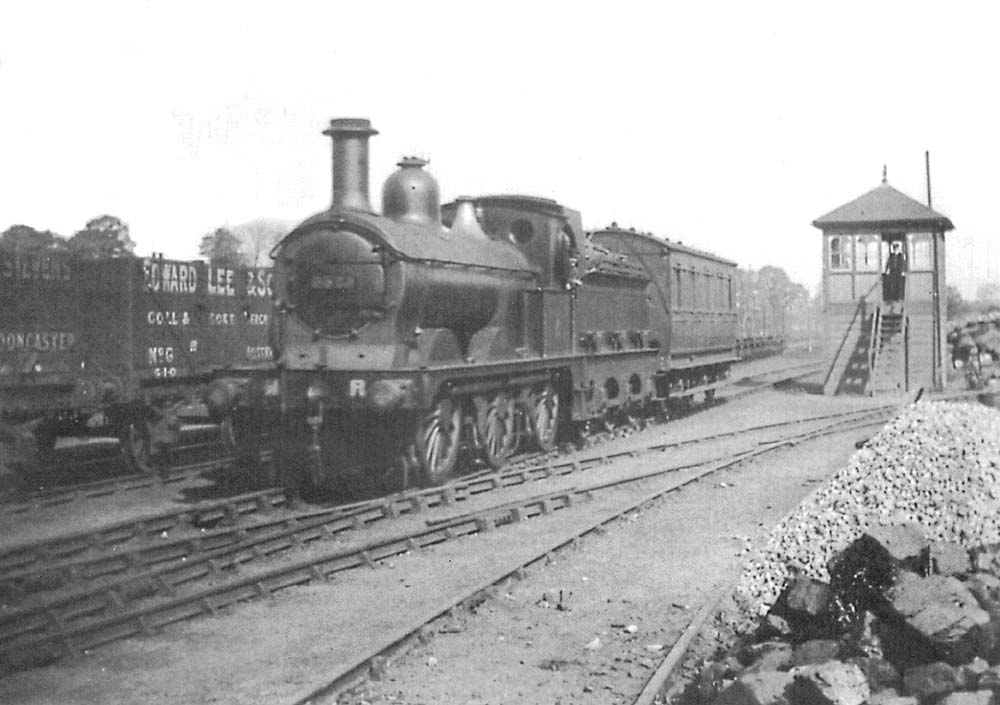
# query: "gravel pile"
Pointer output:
{"type": "Point", "coordinates": [936, 465]}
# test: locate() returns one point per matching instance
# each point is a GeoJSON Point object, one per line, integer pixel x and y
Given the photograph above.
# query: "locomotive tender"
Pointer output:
{"type": "Point", "coordinates": [117, 347]}
{"type": "Point", "coordinates": [483, 325]}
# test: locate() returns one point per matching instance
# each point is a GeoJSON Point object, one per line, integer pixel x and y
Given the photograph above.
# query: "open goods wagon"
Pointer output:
{"type": "Point", "coordinates": [118, 347]}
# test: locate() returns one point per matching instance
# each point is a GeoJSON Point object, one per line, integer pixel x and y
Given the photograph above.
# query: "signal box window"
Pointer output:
{"type": "Point", "coordinates": [920, 252]}
{"type": "Point", "coordinates": [840, 252]}
{"type": "Point", "coordinates": [867, 253]}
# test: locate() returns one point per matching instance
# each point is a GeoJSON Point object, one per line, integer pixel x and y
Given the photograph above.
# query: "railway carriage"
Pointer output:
{"type": "Point", "coordinates": [763, 317]}
{"type": "Point", "coordinates": [117, 346]}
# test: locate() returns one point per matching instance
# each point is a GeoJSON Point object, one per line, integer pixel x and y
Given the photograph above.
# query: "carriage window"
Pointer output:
{"type": "Point", "coordinates": [840, 252]}
{"type": "Point", "coordinates": [920, 252]}
{"type": "Point", "coordinates": [867, 253]}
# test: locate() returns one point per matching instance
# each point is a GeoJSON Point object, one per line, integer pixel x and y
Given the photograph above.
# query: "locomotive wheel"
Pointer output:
{"type": "Point", "coordinates": [543, 408]}
{"type": "Point", "coordinates": [437, 441]}
{"type": "Point", "coordinates": [240, 436]}
{"type": "Point", "coordinates": [136, 440]}
{"type": "Point", "coordinates": [495, 418]}
{"type": "Point", "coordinates": [45, 442]}
{"type": "Point", "coordinates": [242, 439]}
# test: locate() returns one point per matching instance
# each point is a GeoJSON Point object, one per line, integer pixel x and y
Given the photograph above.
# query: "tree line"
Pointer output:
{"type": "Point", "coordinates": [107, 236]}
{"type": "Point", "coordinates": [101, 237]}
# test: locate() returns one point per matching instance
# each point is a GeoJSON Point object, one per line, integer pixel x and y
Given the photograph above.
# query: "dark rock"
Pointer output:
{"type": "Point", "coordinates": [881, 674]}
{"type": "Point", "coordinates": [891, 697]}
{"type": "Point", "coordinates": [986, 559]}
{"type": "Point", "coordinates": [972, 671]}
{"type": "Point", "coordinates": [805, 606]}
{"type": "Point", "coordinates": [815, 651]}
{"type": "Point", "coordinates": [767, 656]}
{"type": "Point", "coordinates": [932, 679]}
{"type": "Point", "coordinates": [946, 558]}
{"type": "Point", "coordinates": [772, 627]}
{"type": "Point", "coordinates": [806, 597]}
{"type": "Point", "coordinates": [989, 679]}
{"type": "Point", "coordinates": [761, 688]}
{"type": "Point", "coordinates": [986, 588]}
{"type": "Point", "coordinates": [943, 612]}
{"type": "Point", "coordinates": [714, 677]}
{"type": "Point", "coordinates": [977, 697]}
{"type": "Point", "coordinates": [864, 638]}
{"type": "Point", "coordinates": [862, 573]}
{"type": "Point", "coordinates": [831, 683]}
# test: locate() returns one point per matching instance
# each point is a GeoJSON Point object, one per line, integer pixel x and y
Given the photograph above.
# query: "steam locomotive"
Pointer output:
{"type": "Point", "coordinates": [408, 338]}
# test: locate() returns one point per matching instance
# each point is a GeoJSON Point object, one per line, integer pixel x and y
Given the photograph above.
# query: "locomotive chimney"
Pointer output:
{"type": "Point", "coordinates": [350, 163]}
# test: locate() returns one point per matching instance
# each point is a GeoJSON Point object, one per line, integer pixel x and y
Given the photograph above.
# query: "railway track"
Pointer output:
{"type": "Point", "coordinates": [58, 560]}
{"type": "Point", "coordinates": [344, 678]}
{"type": "Point", "coordinates": [24, 502]}
{"type": "Point", "coordinates": [138, 591]}
{"type": "Point", "coordinates": [110, 486]}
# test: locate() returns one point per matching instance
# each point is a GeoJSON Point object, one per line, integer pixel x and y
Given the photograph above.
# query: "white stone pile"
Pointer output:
{"type": "Point", "coordinates": [936, 465]}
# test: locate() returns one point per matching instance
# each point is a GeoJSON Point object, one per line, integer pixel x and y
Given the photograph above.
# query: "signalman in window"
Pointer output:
{"type": "Point", "coordinates": [894, 276]}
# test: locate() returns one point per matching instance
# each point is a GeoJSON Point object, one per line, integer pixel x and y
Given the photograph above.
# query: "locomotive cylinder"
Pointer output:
{"type": "Point", "coordinates": [350, 163]}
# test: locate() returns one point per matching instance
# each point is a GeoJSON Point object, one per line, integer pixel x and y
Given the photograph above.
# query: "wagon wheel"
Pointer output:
{"type": "Point", "coordinates": [495, 418]}
{"type": "Point", "coordinates": [634, 417]}
{"type": "Point", "coordinates": [437, 438]}
{"type": "Point", "coordinates": [607, 421]}
{"type": "Point", "coordinates": [543, 409]}
{"type": "Point", "coordinates": [136, 438]}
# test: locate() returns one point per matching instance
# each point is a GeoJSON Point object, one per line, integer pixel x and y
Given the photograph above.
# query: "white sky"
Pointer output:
{"type": "Point", "coordinates": [729, 126]}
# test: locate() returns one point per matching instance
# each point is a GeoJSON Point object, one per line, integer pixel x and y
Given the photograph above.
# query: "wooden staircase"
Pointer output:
{"type": "Point", "coordinates": [848, 371]}
{"type": "Point", "coordinates": [888, 353]}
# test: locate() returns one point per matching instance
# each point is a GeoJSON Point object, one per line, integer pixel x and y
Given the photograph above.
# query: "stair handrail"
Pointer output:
{"type": "Point", "coordinates": [904, 336]}
{"type": "Point", "coordinates": [859, 311]}
{"type": "Point", "coordinates": [874, 346]}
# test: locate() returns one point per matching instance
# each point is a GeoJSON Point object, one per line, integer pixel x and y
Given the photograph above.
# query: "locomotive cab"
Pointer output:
{"type": "Point", "coordinates": [547, 233]}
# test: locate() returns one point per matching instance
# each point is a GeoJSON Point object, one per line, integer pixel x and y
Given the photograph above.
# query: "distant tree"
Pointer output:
{"type": "Point", "coordinates": [988, 292]}
{"type": "Point", "coordinates": [773, 277]}
{"type": "Point", "coordinates": [104, 236]}
{"type": "Point", "coordinates": [259, 237]}
{"type": "Point", "coordinates": [222, 248]}
{"type": "Point", "coordinates": [955, 305]}
{"type": "Point", "coordinates": [23, 239]}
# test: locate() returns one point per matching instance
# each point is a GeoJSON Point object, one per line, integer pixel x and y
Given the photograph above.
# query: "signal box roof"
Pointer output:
{"type": "Point", "coordinates": [884, 208]}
